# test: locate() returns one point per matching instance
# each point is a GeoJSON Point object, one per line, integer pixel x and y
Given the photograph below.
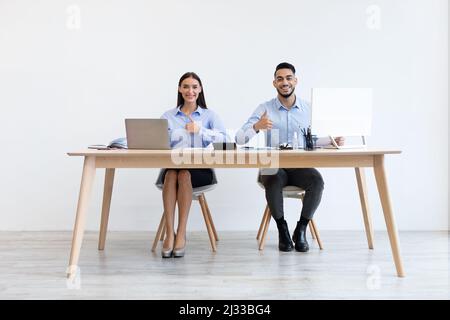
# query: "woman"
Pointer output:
{"type": "Point", "coordinates": [191, 124]}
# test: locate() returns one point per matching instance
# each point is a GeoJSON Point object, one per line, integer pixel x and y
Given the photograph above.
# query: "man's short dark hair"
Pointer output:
{"type": "Point", "coordinates": [284, 65]}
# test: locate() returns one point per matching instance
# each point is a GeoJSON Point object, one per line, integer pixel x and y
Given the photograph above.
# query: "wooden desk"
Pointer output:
{"type": "Point", "coordinates": [322, 158]}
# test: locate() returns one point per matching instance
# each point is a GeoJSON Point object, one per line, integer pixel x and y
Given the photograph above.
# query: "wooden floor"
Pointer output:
{"type": "Point", "coordinates": [33, 265]}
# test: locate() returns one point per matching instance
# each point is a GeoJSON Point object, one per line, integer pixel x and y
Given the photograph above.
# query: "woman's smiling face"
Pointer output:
{"type": "Point", "coordinates": [190, 89]}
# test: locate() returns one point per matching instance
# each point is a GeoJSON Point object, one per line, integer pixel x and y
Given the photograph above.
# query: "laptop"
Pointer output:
{"type": "Point", "coordinates": [343, 112]}
{"type": "Point", "coordinates": [147, 134]}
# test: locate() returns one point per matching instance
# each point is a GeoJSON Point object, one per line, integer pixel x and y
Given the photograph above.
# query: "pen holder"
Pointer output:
{"type": "Point", "coordinates": [309, 142]}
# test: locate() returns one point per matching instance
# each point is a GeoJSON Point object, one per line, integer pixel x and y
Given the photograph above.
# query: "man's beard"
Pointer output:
{"type": "Point", "coordinates": [286, 95]}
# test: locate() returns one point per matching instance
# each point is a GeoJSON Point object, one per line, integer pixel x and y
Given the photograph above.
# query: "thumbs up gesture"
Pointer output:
{"type": "Point", "coordinates": [192, 127]}
{"type": "Point", "coordinates": [264, 123]}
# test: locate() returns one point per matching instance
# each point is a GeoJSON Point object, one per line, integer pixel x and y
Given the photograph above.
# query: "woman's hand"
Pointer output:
{"type": "Point", "coordinates": [192, 127]}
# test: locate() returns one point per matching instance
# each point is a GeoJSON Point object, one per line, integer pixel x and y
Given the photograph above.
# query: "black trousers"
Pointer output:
{"type": "Point", "coordinates": [308, 179]}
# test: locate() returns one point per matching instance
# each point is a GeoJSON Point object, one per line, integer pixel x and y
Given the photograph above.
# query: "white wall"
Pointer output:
{"type": "Point", "coordinates": [67, 81]}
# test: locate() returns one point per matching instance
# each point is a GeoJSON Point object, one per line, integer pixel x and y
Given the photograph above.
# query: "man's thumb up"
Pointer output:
{"type": "Point", "coordinates": [263, 123]}
{"type": "Point", "coordinates": [264, 115]}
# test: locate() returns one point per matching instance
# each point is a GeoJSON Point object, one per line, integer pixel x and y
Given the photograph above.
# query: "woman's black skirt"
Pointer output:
{"type": "Point", "coordinates": [199, 177]}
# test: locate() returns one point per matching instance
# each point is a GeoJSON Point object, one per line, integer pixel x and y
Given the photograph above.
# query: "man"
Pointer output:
{"type": "Point", "coordinates": [280, 118]}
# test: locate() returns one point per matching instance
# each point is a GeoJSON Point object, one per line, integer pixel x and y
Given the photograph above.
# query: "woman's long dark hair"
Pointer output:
{"type": "Point", "coordinates": [201, 97]}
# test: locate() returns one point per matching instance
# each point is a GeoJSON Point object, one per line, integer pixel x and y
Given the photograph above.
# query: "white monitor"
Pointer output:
{"type": "Point", "coordinates": [341, 111]}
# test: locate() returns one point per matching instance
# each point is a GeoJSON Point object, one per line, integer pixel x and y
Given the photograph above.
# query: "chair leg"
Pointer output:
{"type": "Point", "coordinates": [316, 231]}
{"type": "Point", "coordinates": [163, 231]}
{"type": "Point", "coordinates": [311, 228]}
{"type": "Point", "coordinates": [262, 223]}
{"type": "Point", "coordinates": [266, 227]}
{"type": "Point", "coordinates": [208, 222]}
{"type": "Point", "coordinates": [201, 199]}
{"type": "Point", "coordinates": [160, 232]}
{"type": "Point", "coordinates": [208, 212]}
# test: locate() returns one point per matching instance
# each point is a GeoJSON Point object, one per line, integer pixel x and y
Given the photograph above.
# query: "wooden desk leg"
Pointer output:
{"type": "Point", "coordinates": [380, 176]}
{"type": "Point", "coordinates": [362, 188]}
{"type": "Point", "coordinates": [107, 193]}
{"type": "Point", "coordinates": [87, 180]}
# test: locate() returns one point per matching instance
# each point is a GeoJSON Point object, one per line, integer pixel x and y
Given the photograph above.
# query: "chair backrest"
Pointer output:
{"type": "Point", "coordinates": [214, 178]}
{"type": "Point", "coordinates": [258, 178]}
{"type": "Point", "coordinates": [265, 171]}
{"type": "Point", "coordinates": [159, 181]}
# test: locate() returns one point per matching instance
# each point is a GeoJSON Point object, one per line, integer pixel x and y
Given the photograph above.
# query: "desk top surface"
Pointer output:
{"type": "Point", "coordinates": [287, 153]}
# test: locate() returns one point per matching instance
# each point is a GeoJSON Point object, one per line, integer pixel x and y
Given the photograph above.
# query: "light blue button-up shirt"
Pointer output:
{"type": "Point", "coordinates": [284, 122]}
{"type": "Point", "coordinates": [211, 128]}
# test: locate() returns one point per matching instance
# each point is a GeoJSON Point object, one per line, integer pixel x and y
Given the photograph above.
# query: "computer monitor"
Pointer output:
{"type": "Point", "coordinates": [341, 111]}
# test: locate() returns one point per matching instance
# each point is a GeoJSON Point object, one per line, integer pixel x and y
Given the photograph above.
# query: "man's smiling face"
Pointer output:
{"type": "Point", "coordinates": [285, 82]}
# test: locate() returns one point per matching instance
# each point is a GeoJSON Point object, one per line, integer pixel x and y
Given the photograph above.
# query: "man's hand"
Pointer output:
{"type": "Point", "coordinates": [340, 141]}
{"type": "Point", "coordinates": [192, 127]}
{"type": "Point", "coordinates": [264, 123]}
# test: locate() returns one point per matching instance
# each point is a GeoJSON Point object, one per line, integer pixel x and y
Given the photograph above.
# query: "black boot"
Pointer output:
{"type": "Point", "coordinates": [284, 238]}
{"type": "Point", "coordinates": [299, 237]}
